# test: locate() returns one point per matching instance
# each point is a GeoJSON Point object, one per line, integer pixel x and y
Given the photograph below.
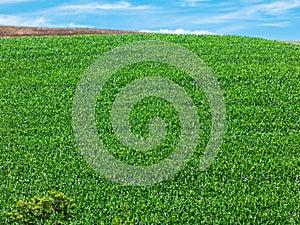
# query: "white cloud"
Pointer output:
{"type": "Point", "coordinates": [12, 20]}
{"type": "Point", "coordinates": [196, 1]}
{"type": "Point", "coordinates": [83, 8]}
{"type": "Point", "coordinates": [74, 25]}
{"type": "Point", "coordinates": [218, 19]}
{"type": "Point", "coordinates": [252, 12]}
{"type": "Point", "coordinates": [192, 3]}
{"type": "Point", "coordinates": [277, 7]}
{"type": "Point", "coordinates": [253, 1]}
{"type": "Point", "coordinates": [177, 31]}
{"type": "Point", "coordinates": [13, 1]}
{"type": "Point", "coordinates": [279, 24]}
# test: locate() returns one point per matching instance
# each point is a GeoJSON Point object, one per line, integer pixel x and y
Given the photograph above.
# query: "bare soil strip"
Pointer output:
{"type": "Point", "coordinates": [11, 31]}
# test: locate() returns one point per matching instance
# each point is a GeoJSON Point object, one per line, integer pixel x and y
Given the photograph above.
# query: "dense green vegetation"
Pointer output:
{"type": "Point", "coordinates": [53, 208]}
{"type": "Point", "coordinates": [254, 180]}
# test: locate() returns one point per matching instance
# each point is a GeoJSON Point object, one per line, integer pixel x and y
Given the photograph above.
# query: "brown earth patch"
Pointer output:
{"type": "Point", "coordinates": [12, 31]}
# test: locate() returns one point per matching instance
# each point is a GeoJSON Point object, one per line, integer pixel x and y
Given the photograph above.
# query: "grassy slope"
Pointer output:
{"type": "Point", "coordinates": [255, 179]}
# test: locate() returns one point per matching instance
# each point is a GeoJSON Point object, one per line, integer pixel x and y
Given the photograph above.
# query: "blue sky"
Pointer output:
{"type": "Point", "coordinates": [278, 19]}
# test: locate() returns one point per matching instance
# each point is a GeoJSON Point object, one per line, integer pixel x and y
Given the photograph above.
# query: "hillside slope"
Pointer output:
{"type": "Point", "coordinates": [255, 178]}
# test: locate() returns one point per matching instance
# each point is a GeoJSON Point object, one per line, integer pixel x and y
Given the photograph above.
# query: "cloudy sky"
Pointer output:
{"type": "Point", "coordinates": [279, 19]}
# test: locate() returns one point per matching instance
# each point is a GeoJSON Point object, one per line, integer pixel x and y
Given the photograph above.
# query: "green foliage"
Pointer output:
{"type": "Point", "coordinates": [254, 180]}
{"type": "Point", "coordinates": [53, 208]}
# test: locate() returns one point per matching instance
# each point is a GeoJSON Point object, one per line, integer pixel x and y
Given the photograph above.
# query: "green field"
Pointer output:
{"type": "Point", "coordinates": [255, 178]}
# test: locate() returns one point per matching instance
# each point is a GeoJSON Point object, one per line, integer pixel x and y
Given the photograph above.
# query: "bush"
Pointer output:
{"type": "Point", "coordinates": [53, 208]}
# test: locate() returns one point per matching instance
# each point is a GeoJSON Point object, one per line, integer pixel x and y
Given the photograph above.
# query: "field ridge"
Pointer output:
{"type": "Point", "coordinates": [14, 31]}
